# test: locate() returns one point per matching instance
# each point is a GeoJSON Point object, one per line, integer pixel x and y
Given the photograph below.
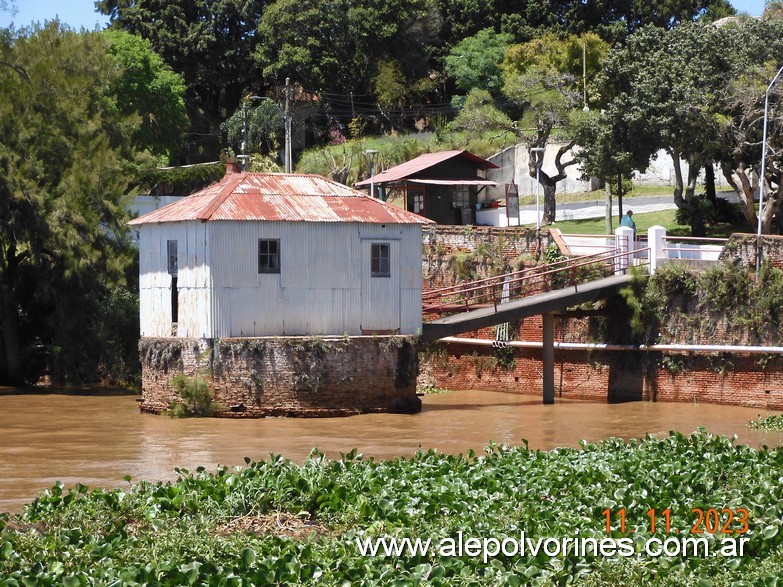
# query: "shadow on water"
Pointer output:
{"type": "Point", "coordinates": [450, 407]}
{"type": "Point", "coordinates": [93, 391]}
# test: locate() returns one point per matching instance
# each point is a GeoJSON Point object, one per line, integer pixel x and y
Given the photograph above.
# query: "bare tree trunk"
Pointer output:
{"type": "Point", "coordinates": [550, 205]}
{"type": "Point", "coordinates": [693, 176]}
{"type": "Point", "coordinates": [547, 182]}
{"type": "Point", "coordinates": [728, 175]}
{"type": "Point", "coordinates": [679, 201]}
{"type": "Point", "coordinates": [745, 192]}
{"type": "Point", "coordinates": [695, 211]}
{"type": "Point", "coordinates": [608, 209]}
{"type": "Point", "coordinates": [709, 183]}
{"type": "Point", "coordinates": [771, 204]}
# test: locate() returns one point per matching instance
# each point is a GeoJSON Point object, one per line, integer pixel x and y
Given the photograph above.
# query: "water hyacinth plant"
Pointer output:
{"type": "Point", "coordinates": [276, 522]}
{"type": "Point", "coordinates": [769, 422]}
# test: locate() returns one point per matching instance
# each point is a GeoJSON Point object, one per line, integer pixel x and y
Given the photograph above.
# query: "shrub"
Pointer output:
{"type": "Point", "coordinates": [195, 397]}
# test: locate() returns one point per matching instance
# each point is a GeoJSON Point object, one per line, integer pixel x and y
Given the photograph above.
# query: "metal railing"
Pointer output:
{"type": "Point", "coordinates": [487, 292]}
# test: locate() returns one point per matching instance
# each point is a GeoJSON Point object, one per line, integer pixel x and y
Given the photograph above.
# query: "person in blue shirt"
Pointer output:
{"type": "Point", "coordinates": [627, 220]}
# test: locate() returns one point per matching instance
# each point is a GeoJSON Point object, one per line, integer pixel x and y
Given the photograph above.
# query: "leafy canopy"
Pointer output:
{"type": "Point", "coordinates": [66, 150]}
{"type": "Point", "coordinates": [149, 88]}
{"type": "Point", "coordinates": [475, 61]}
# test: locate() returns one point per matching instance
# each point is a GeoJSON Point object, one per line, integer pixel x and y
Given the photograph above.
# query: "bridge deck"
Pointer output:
{"type": "Point", "coordinates": [516, 310]}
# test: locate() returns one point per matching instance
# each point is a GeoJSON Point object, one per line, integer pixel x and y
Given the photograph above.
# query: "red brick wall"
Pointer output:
{"type": "Point", "coordinates": [287, 376]}
{"type": "Point", "coordinates": [514, 240]}
{"type": "Point", "coordinates": [744, 247]}
{"type": "Point", "coordinates": [491, 249]}
{"type": "Point", "coordinates": [734, 379]}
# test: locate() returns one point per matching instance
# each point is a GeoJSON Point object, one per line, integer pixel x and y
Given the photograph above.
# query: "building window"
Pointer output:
{"type": "Point", "coordinates": [416, 200]}
{"type": "Point", "coordinates": [380, 260]}
{"type": "Point", "coordinates": [269, 255]}
{"type": "Point", "coordinates": [462, 196]}
{"type": "Point", "coordinates": [171, 247]}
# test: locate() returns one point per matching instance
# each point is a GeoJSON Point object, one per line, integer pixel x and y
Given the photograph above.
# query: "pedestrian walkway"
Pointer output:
{"type": "Point", "coordinates": [597, 208]}
{"type": "Point", "coordinates": [594, 211]}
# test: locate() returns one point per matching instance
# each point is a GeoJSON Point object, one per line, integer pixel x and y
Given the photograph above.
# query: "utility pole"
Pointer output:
{"type": "Point", "coordinates": [288, 160]}
{"type": "Point", "coordinates": [584, 74]}
{"type": "Point", "coordinates": [244, 157]}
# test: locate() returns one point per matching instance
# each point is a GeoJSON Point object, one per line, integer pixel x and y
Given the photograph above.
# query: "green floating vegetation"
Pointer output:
{"type": "Point", "coordinates": [431, 390]}
{"type": "Point", "coordinates": [769, 422]}
{"type": "Point", "coordinates": [275, 522]}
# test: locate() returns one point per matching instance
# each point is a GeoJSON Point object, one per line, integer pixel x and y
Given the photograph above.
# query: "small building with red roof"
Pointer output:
{"type": "Point", "coordinates": [271, 254]}
{"type": "Point", "coordinates": [445, 186]}
{"type": "Point", "coordinates": [276, 255]}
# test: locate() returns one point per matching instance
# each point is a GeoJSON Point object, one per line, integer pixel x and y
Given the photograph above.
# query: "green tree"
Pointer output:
{"type": "Point", "coordinates": [64, 150]}
{"type": "Point", "coordinates": [697, 92]}
{"type": "Point", "coordinates": [264, 127]}
{"type": "Point", "coordinates": [211, 44]}
{"type": "Point", "coordinates": [479, 114]}
{"type": "Point", "coordinates": [612, 20]}
{"type": "Point", "coordinates": [753, 49]}
{"type": "Point", "coordinates": [149, 88]}
{"type": "Point", "coordinates": [475, 62]}
{"type": "Point", "coordinates": [336, 45]}
{"type": "Point", "coordinates": [657, 88]}
{"type": "Point", "coordinates": [543, 78]}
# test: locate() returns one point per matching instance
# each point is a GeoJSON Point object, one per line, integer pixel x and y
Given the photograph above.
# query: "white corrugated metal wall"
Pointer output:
{"type": "Point", "coordinates": [192, 279]}
{"type": "Point", "coordinates": [318, 290]}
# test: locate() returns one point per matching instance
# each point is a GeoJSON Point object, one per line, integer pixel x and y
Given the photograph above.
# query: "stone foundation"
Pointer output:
{"type": "Point", "coordinates": [294, 376]}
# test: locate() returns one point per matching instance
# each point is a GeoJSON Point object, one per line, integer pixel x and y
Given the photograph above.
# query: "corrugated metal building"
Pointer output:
{"type": "Point", "coordinates": [279, 255]}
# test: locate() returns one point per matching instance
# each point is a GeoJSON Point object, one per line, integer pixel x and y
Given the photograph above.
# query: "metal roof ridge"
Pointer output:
{"type": "Point", "coordinates": [221, 197]}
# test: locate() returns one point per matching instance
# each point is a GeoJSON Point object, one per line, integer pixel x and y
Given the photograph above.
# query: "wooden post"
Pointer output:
{"type": "Point", "coordinates": [549, 358]}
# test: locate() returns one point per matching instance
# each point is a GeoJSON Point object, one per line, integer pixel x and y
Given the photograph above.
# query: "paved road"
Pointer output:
{"type": "Point", "coordinates": [597, 208]}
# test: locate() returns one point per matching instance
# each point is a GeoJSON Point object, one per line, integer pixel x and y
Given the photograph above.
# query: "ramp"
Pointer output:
{"type": "Point", "coordinates": [544, 303]}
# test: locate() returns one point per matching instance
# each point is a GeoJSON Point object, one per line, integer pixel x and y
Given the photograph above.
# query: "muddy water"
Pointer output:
{"type": "Point", "coordinates": [97, 440]}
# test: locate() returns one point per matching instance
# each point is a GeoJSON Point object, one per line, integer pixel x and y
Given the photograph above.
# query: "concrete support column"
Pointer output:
{"type": "Point", "coordinates": [549, 358]}
{"type": "Point", "coordinates": [655, 240]}
{"type": "Point", "coordinates": [624, 244]}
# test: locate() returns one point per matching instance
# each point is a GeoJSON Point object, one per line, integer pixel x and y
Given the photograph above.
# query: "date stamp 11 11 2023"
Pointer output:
{"type": "Point", "coordinates": [728, 524]}
{"type": "Point", "coordinates": [711, 521]}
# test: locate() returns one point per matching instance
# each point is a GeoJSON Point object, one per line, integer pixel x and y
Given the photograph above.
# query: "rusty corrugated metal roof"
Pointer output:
{"type": "Point", "coordinates": [410, 168]}
{"type": "Point", "coordinates": [280, 197]}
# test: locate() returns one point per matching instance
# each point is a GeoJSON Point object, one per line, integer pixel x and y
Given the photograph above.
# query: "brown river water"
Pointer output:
{"type": "Point", "coordinates": [98, 439]}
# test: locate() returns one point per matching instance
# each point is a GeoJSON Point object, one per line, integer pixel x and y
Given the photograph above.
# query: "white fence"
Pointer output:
{"type": "Point", "coordinates": [698, 253]}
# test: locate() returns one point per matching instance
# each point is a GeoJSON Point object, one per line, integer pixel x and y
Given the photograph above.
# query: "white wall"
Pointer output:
{"type": "Point", "coordinates": [318, 290]}
{"type": "Point", "coordinates": [513, 162]}
{"type": "Point", "coordinates": [192, 280]}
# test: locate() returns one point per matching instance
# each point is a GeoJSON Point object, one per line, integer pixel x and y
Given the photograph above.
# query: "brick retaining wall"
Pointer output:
{"type": "Point", "coordinates": [731, 379]}
{"type": "Point", "coordinates": [742, 248]}
{"type": "Point", "coordinates": [481, 251]}
{"type": "Point", "coordinates": [293, 376]}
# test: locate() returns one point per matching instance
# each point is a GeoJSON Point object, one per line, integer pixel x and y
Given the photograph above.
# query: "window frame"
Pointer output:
{"type": "Point", "coordinates": [172, 268]}
{"type": "Point", "coordinates": [272, 266]}
{"type": "Point", "coordinates": [380, 259]}
{"type": "Point", "coordinates": [417, 200]}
